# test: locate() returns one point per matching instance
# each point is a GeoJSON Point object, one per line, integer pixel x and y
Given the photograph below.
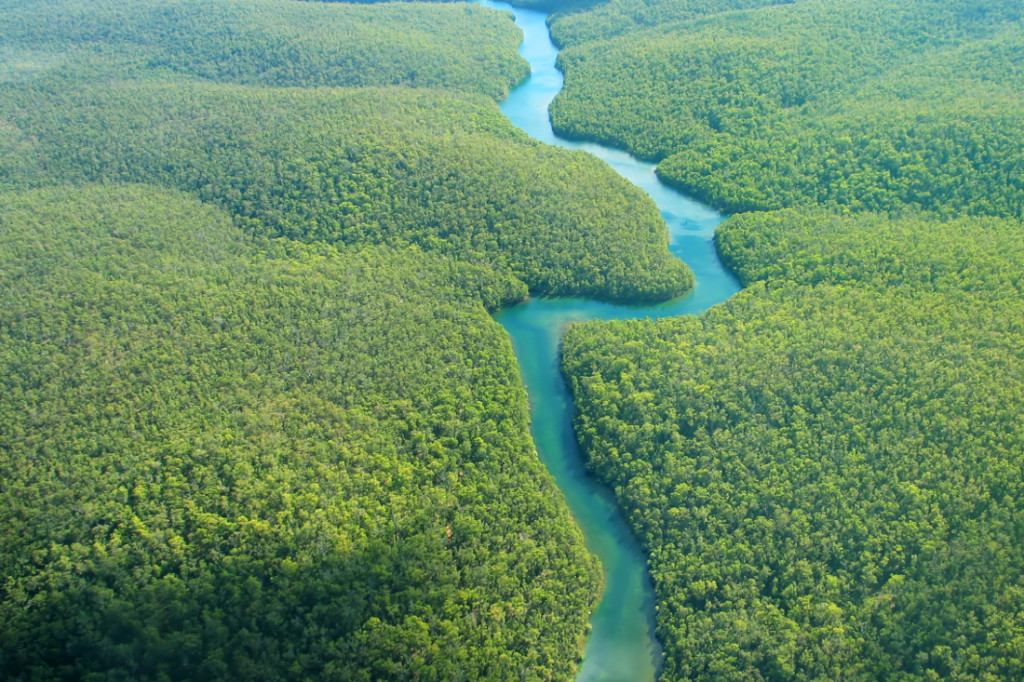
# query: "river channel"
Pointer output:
{"type": "Point", "coordinates": [621, 646]}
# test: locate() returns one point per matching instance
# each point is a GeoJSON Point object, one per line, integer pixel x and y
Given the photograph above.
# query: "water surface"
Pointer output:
{"type": "Point", "coordinates": [621, 646]}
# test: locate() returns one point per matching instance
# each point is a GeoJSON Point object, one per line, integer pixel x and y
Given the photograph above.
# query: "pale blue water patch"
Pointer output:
{"type": "Point", "coordinates": [621, 646]}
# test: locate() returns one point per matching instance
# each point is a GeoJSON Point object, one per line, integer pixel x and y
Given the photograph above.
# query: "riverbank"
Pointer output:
{"type": "Point", "coordinates": [621, 645]}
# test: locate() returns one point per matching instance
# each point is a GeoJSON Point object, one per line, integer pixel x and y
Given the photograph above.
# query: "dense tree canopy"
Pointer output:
{"type": "Point", "coordinates": [255, 421]}
{"type": "Point", "coordinates": [616, 17]}
{"type": "Point", "coordinates": [857, 103]}
{"type": "Point", "coordinates": [266, 42]}
{"type": "Point", "coordinates": [827, 469]}
{"type": "Point", "coordinates": [442, 170]}
{"type": "Point", "coordinates": [912, 251]}
{"type": "Point", "coordinates": [225, 459]}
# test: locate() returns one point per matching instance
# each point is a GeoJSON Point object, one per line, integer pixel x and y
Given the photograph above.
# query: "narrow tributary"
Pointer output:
{"type": "Point", "coordinates": [621, 646]}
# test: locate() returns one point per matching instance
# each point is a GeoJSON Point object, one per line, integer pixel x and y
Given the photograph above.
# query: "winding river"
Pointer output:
{"type": "Point", "coordinates": [621, 646]}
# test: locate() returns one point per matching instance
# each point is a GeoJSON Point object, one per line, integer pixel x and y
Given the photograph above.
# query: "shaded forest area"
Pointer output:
{"type": "Point", "coordinates": [266, 42]}
{"type": "Point", "coordinates": [265, 461]}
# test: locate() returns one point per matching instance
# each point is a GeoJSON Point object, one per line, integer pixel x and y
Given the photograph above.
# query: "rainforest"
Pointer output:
{"type": "Point", "coordinates": [267, 360]}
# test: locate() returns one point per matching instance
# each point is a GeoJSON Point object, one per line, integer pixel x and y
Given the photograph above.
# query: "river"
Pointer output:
{"type": "Point", "coordinates": [621, 646]}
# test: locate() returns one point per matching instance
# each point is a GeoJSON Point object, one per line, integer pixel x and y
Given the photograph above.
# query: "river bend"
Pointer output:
{"type": "Point", "coordinates": [621, 646]}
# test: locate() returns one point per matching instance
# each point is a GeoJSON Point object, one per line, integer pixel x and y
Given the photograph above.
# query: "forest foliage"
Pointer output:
{"type": "Point", "coordinates": [265, 42]}
{"type": "Point", "coordinates": [255, 420]}
{"type": "Point", "coordinates": [911, 251]}
{"type": "Point", "coordinates": [445, 171]}
{"type": "Point", "coordinates": [575, 26]}
{"type": "Point", "coordinates": [860, 104]}
{"type": "Point", "coordinates": [827, 469]}
{"type": "Point", "coordinates": [265, 460]}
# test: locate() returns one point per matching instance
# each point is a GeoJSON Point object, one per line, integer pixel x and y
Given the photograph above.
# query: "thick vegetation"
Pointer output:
{"type": "Point", "coordinates": [255, 422]}
{"type": "Point", "coordinates": [856, 103]}
{"type": "Point", "coordinates": [444, 171]}
{"type": "Point", "coordinates": [265, 42]}
{"type": "Point", "coordinates": [270, 461]}
{"type": "Point", "coordinates": [911, 252]}
{"type": "Point", "coordinates": [615, 17]}
{"type": "Point", "coordinates": [827, 469]}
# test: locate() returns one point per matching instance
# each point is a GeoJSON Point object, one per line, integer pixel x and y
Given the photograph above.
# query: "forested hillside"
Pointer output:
{"type": "Point", "coordinates": [266, 42]}
{"type": "Point", "coordinates": [444, 171]}
{"type": "Point", "coordinates": [272, 461]}
{"type": "Point", "coordinates": [827, 469]}
{"type": "Point", "coordinates": [977, 255]}
{"type": "Point", "coordinates": [256, 423]}
{"type": "Point", "coordinates": [615, 17]}
{"type": "Point", "coordinates": [863, 104]}
{"type": "Point", "coordinates": [255, 420]}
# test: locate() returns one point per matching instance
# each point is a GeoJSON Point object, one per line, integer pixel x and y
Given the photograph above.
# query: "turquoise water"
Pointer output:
{"type": "Point", "coordinates": [621, 646]}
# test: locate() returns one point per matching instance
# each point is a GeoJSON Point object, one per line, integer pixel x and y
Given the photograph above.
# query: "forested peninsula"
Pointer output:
{"type": "Point", "coordinates": [860, 104]}
{"type": "Point", "coordinates": [256, 420]}
{"type": "Point", "coordinates": [826, 470]}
